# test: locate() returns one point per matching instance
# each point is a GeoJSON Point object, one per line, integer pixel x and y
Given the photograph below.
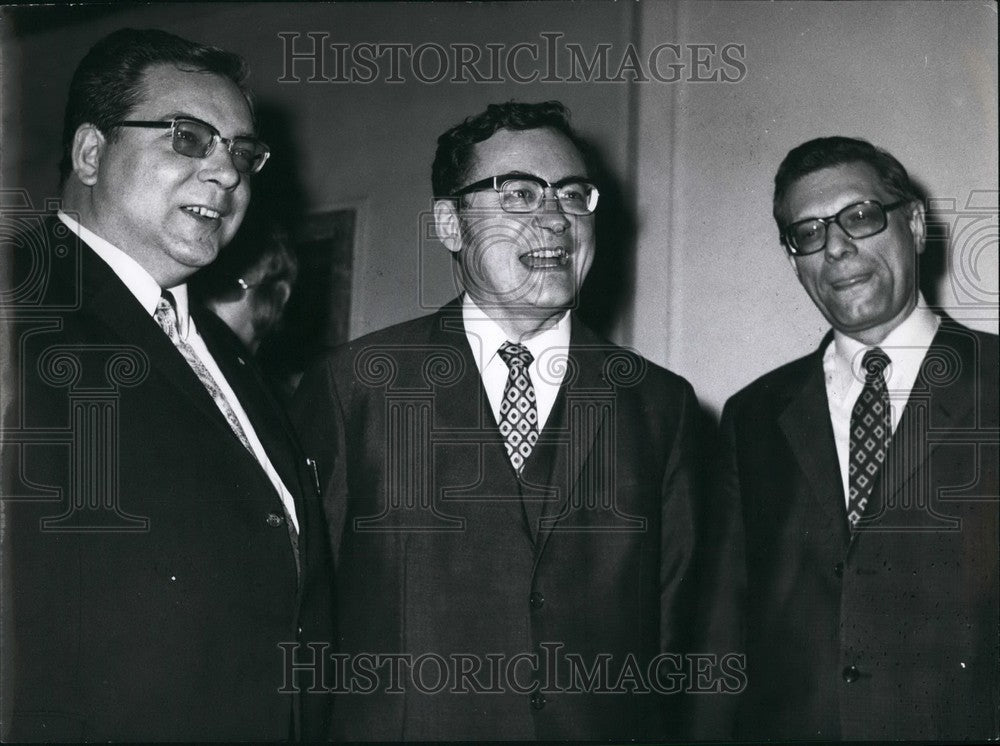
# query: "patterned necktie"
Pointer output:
{"type": "Point", "coordinates": [871, 431]}
{"type": "Point", "coordinates": [518, 413]}
{"type": "Point", "coordinates": [166, 317]}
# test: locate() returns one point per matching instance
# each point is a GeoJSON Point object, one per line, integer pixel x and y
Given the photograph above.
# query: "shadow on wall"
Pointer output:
{"type": "Point", "coordinates": [611, 283]}
{"type": "Point", "coordinates": [316, 315]}
{"type": "Point", "coordinates": [318, 311]}
{"type": "Point", "coordinates": [933, 262]}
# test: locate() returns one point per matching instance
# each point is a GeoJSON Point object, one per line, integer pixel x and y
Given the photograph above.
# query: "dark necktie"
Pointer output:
{"type": "Point", "coordinates": [166, 317]}
{"type": "Point", "coordinates": [871, 431]}
{"type": "Point", "coordinates": [518, 412]}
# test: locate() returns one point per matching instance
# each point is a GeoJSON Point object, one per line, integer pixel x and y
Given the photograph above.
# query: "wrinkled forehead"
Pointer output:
{"type": "Point", "coordinates": [543, 152]}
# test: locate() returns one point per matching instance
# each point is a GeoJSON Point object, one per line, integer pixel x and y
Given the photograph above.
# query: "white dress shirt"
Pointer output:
{"type": "Point", "coordinates": [906, 346]}
{"type": "Point", "coordinates": [146, 290]}
{"type": "Point", "coordinates": [550, 350]}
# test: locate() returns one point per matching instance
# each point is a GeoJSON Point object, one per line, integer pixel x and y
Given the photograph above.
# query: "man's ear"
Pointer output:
{"type": "Point", "coordinates": [283, 292]}
{"type": "Point", "coordinates": [918, 225]}
{"type": "Point", "coordinates": [88, 147]}
{"type": "Point", "coordinates": [447, 225]}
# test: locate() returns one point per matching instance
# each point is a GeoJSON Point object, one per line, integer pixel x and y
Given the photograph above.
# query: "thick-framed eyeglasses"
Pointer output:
{"type": "Point", "coordinates": [197, 139]}
{"type": "Point", "coordinates": [860, 220]}
{"type": "Point", "coordinates": [521, 193]}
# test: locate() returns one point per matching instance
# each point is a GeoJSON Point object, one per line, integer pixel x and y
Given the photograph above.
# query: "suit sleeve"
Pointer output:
{"type": "Point", "coordinates": [722, 586]}
{"type": "Point", "coordinates": [679, 495]}
{"type": "Point", "coordinates": [318, 416]}
{"type": "Point", "coordinates": [677, 526]}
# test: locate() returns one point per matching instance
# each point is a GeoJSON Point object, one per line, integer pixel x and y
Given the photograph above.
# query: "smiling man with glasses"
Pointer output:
{"type": "Point", "coordinates": [862, 480]}
{"type": "Point", "coordinates": [510, 495]}
{"type": "Point", "coordinates": [178, 542]}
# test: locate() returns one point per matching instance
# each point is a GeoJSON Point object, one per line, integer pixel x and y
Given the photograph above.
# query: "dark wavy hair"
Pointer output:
{"type": "Point", "coordinates": [825, 152]}
{"type": "Point", "coordinates": [454, 148]}
{"type": "Point", "coordinates": [107, 84]}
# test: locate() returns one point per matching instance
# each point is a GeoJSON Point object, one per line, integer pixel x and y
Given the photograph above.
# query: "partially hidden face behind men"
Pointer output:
{"type": "Point", "coordinates": [865, 286]}
{"type": "Point", "coordinates": [170, 212]}
{"type": "Point", "coordinates": [531, 264]}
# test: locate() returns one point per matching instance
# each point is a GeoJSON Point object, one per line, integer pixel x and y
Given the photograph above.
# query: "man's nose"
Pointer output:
{"type": "Point", "coordinates": [550, 215]}
{"type": "Point", "coordinates": [218, 166]}
{"type": "Point", "coordinates": [838, 243]}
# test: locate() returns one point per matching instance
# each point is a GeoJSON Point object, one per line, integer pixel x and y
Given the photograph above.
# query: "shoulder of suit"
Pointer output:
{"type": "Point", "coordinates": [625, 366]}
{"type": "Point", "coordinates": [45, 263]}
{"type": "Point", "coordinates": [391, 344]}
{"type": "Point", "coordinates": [951, 327]}
{"type": "Point", "coordinates": [216, 333]}
{"type": "Point", "coordinates": [777, 383]}
{"type": "Point", "coordinates": [412, 332]}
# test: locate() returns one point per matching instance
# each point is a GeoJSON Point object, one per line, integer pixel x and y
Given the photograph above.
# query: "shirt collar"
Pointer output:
{"type": "Point", "coordinates": [486, 336]}
{"type": "Point", "coordinates": [139, 282]}
{"type": "Point", "coordinates": [905, 345]}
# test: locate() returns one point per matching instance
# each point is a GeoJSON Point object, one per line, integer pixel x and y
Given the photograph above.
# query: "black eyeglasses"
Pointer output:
{"type": "Point", "coordinates": [520, 193]}
{"type": "Point", "coordinates": [196, 139]}
{"type": "Point", "coordinates": [860, 220]}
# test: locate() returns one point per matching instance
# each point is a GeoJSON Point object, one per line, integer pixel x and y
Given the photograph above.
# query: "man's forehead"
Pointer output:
{"type": "Point", "coordinates": [169, 91]}
{"type": "Point", "coordinates": [829, 190]}
{"type": "Point", "coordinates": [543, 152]}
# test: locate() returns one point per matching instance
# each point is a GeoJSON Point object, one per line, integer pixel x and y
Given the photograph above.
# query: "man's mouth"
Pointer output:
{"type": "Point", "coordinates": [203, 212]}
{"type": "Point", "coordinates": [849, 282]}
{"type": "Point", "coordinates": [545, 258]}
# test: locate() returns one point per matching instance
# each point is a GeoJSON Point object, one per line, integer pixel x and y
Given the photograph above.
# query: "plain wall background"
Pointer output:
{"type": "Point", "coordinates": [708, 291]}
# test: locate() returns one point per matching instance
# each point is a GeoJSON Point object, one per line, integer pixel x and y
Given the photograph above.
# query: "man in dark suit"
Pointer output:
{"type": "Point", "coordinates": [164, 547]}
{"type": "Point", "coordinates": [510, 496]}
{"type": "Point", "coordinates": [864, 477]}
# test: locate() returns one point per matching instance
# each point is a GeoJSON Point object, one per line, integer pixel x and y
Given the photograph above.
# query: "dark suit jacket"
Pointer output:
{"type": "Point", "coordinates": [435, 559]}
{"type": "Point", "coordinates": [150, 575]}
{"type": "Point", "coordinates": [892, 632]}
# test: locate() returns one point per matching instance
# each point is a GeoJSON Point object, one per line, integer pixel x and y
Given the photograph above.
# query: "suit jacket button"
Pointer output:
{"type": "Point", "coordinates": [851, 674]}
{"type": "Point", "coordinates": [838, 569]}
{"type": "Point", "coordinates": [536, 600]}
{"type": "Point", "coordinates": [273, 519]}
{"type": "Point", "coordinates": [538, 700]}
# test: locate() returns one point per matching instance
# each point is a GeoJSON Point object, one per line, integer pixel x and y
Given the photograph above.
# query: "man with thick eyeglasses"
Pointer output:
{"type": "Point", "coordinates": [862, 480]}
{"type": "Point", "coordinates": [510, 496]}
{"type": "Point", "coordinates": [197, 139]}
{"type": "Point", "coordinates": [164, 550]}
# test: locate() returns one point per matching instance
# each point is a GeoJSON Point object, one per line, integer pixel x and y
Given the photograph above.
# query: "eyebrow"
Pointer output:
{"type": "Point", "coordinates": [852, 203]}
{"type": "Point", "coordinates": [193, 118]}
{"type": "Point", "coordinates": [571, 177]}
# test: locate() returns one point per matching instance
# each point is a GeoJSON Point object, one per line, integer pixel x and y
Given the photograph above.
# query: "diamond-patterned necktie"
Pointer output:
{"type": "Point", "coordinates": [871, 431]}
{"type": "Point", "coordinates": [518, 411]}
{"type": "Point", "coordinates": [166, 317]}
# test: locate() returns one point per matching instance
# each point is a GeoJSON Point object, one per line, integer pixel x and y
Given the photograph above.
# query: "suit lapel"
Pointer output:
{"type": "Point", "coordinates": [576, 430]}
{"type": "Point", "coordinates": [805, 422]}
{"type": "Point", "coordinates": [465, 406]}
{"type": "Point", "coordinates": [106, 298]}
{"type": "Point", "coordinates": [262, 410]}
{"type": "Point", "coordinates": [940, 401]}
{"type": "Point", "coordinates": [111, 303]}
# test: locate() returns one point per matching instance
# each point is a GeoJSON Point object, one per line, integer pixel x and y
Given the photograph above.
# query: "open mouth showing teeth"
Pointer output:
{"type": "Point", "coordinates": [545, 258]}
{"type": "Point", "coordinates": [203, 212]}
